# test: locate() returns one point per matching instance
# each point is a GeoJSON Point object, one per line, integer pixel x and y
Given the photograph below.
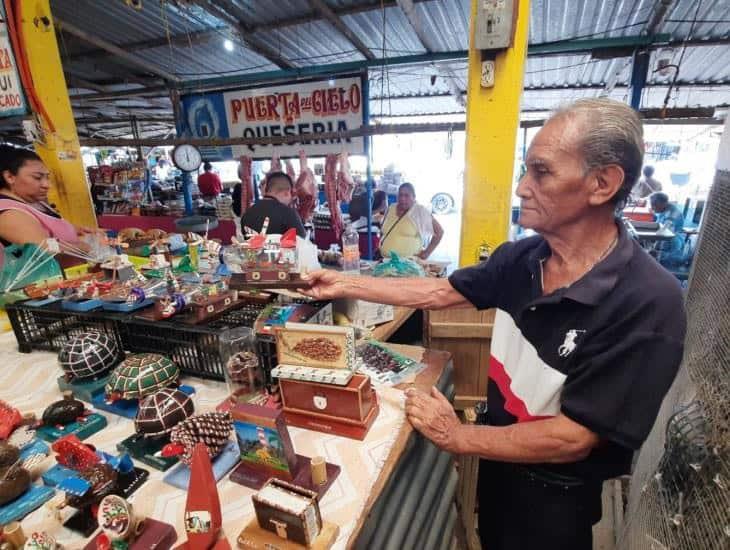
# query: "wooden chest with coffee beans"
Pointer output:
{"type": "Point", "coordinates": [319, 388]}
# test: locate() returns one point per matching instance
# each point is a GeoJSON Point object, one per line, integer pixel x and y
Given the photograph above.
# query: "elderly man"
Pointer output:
{"type": "Point", "coordinates": [588, 337]}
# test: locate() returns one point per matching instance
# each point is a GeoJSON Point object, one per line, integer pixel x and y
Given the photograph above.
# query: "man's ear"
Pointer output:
{"type": "Point", "coordinates": [607, 182]}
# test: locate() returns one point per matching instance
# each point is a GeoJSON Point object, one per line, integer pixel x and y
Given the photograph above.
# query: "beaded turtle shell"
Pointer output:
{"type": "Point", "coordinates": [142, 374]}
{"type": "Point", "coordinates": [211, 428]}
{"type": "Point", "coordinates": [89, 355]}
{"type": "Point", "coordinates": [160, 412]}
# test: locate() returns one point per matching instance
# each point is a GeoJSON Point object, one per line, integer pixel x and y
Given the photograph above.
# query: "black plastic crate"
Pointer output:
{"type": "Point", "coordinates": [195, 348]}
{"type": "Point", "coordinates": [48, 328]}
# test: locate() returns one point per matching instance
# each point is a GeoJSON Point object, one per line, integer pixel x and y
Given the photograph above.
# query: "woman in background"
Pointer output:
{"type": "Point", "coordinates": [409, 229]}
{"type": "Point", "coordinates": [25, 215]}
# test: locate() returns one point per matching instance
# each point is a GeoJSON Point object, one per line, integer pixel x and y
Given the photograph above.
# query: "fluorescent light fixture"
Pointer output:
{"type": "Point", "coordinates": [228, 45]}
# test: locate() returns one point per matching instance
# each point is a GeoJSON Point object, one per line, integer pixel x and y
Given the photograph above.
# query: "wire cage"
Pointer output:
{"type": "Point", "coordinates": [680, 489]}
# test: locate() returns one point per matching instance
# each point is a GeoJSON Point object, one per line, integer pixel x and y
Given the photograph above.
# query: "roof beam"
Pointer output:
{"type": "Point", "coordinates": [76, 82]}
{"type": "Point", "coordinates": [153, 91]}
{"type": "Point", "coordinates": [334, 20]}
{"type": "Point", "coordinates": [182, 39]}
{"type": "Point", "coordinates": [220, 10]}
{"type": "Point", "coordinates": [107, 120]}
{"type": "Point", "coordinates": [409, 10]}
{"type": "Point", "coordinates": [120, 54]}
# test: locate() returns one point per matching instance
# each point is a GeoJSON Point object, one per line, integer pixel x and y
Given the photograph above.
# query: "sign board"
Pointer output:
{"type": "Point", "coordinates": [12, 101]}
{"type": "Point", "coordinates": [296, 109]}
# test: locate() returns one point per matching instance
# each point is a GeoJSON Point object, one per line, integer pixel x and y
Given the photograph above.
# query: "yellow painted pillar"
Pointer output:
{"type": "Point", "coordinates": [60, 149]}
{"type": "Point", "coordinates": [492, 121]}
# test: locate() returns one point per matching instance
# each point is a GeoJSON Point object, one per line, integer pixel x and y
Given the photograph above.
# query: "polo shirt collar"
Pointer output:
{"type": "Point", "coordinates": [594, 285]}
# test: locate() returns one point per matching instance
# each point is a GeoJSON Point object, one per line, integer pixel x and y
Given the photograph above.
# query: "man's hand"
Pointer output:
{"type": "Point", "coordinates": [434, 417]}
{"type": "Point", "coordinates": [326, 285]}
{"type": "Point", "coordinates": [423, 255]}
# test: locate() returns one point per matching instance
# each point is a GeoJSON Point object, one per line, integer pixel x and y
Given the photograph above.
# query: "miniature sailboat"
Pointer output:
{"type": "Point", "coordinates": [203, 518]}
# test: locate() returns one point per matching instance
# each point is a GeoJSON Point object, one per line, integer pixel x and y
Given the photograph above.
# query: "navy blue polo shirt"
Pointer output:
{"type": "Point", "coordinates": [603, 351]}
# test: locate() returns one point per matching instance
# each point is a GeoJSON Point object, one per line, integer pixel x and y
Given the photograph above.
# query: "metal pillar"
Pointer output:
{"type": "Point", "coordinates": [187, 188]}
{"type": "Point", "coordinates": [60, 149]}
{"type": "Point", "coordinates": [492, 119]}
{"type": "Point", "coordinates": [639, 74]}
{"type": "Point", "coordinates": [369, 169]}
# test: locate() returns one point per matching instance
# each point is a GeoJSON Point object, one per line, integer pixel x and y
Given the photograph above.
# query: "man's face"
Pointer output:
{"type": "Point", "coordinates": [283, 196]}
{"type": "Point", "coordinates": [554, 190]}
{"type": "Point", "coordinates": [658, 207]}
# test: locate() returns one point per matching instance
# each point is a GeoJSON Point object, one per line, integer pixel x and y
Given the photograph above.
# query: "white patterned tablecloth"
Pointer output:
{"type": "Point", "coordinates": [28, 382]}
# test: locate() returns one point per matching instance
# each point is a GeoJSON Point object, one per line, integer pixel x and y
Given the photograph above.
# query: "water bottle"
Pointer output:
{"type": "Point", "coordinates": [351, 251]}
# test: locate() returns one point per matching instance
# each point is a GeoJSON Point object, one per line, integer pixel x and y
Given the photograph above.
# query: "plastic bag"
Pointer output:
{"type": "Point", "coordinates": [26, 264]}
{"type": "Point", "coordinates": [398, 267]}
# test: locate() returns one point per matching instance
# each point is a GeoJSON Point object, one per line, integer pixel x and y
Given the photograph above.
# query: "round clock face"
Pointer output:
{"type": "Point", "coordinates": [187, 158]}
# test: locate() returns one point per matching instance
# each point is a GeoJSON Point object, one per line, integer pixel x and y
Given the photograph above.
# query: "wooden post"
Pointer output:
{"type": "Point", "coordinates": [492, 119]}
{"type": "Point", "coordinates": [59, 149]}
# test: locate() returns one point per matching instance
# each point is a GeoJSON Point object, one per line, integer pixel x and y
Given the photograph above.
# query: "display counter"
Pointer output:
{"type": "Point", "coordinates": [394, 488]}
{"type": "Point", "coordinates": [225, 230]}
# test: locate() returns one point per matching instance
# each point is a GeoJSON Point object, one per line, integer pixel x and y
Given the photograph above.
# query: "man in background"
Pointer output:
{"type": "Point", "coordinates": [647, 185]}
{"type": "Point", "coordinates": [667, 214]}
{"type": "Point", "coordinates": [275, 206]}
{"type": "Point", "coordinates": [209, 183]}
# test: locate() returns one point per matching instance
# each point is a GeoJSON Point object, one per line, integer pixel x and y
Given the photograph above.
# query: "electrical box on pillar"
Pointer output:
{"type": "Point", "coordinates": [495, 24]}
{"type": "Point", "coordinates": [494, 29]}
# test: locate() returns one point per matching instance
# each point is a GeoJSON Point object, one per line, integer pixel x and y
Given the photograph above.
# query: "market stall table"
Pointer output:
{"type": "Point", "coordinates": [225, 230]}
{"type": "Point", "coordinates": [29, 383]}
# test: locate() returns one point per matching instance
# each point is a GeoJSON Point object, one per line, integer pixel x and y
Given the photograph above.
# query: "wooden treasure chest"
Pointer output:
{"type": "Point", "coordinates": [289, 511]}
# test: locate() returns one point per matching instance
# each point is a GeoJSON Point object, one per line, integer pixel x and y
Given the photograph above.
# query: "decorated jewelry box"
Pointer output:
{"type": "Point", "coordinates": [319, 389]}
{"type": "Point", "coordinates": [315, 353]}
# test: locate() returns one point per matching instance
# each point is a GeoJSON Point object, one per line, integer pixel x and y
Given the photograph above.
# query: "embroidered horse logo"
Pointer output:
{"type": "Point", "coordinates": [569, 344]}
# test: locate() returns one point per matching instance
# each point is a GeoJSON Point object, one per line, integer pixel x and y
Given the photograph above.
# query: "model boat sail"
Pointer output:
{"type": "Point", "coordinates": [203, 519]}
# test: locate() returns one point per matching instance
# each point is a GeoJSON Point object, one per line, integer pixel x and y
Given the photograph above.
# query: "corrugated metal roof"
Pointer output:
{"type": "Point", "coordinates": [548, 80]}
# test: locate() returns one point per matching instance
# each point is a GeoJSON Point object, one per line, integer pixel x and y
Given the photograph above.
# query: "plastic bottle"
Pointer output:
{"type": "Point", "coordinates": [351, 251]}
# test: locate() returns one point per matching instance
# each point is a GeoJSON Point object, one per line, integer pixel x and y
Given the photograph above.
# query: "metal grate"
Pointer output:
{"type": "Point", "coordinates": [680, 490]}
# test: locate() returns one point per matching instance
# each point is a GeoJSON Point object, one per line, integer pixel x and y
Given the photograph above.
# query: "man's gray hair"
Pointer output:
{"type": "Point", "coordinates": [611, 133]}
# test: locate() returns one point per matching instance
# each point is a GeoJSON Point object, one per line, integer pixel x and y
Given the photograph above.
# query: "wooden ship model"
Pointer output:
{"type": "Point", "coordinates": [268, 264]}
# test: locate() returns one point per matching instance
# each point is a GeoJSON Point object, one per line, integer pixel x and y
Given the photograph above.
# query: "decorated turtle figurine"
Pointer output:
{"type": "Point", "coordinates": [140, 375]}
{"type": "Point", "coordinates": [14, 480]}
{"type": "Point", "coordinates": [160, 412]}
{"type": "Point", "coordinates": [63, 412]}
{"type": "Point", "coordinates": [212, 428]}
{"type": "Point", "coordinates": [89, 356]}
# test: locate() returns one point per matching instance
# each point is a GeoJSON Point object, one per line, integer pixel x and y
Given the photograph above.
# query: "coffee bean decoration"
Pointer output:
{"type": "Point", "coordinates": [319, 349]}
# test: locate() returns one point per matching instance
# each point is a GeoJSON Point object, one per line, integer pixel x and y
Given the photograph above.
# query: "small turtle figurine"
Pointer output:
{"type": "Point", "coordinates": [89, 355]}
{"type": "Point", "coordinates": [211, 428]}
{"type": "Point", "coordinates": [140, 375]}
{"type": "Point", "coordinates": [63, 412]}
{"type": "Point", "coordinates": [14, 480]}
{"type": "Point", "coordinates": [160, 412]}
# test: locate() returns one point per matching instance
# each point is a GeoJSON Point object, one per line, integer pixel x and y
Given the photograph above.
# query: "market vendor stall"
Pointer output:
{"type": "Point", "coordinates": [357, 502]}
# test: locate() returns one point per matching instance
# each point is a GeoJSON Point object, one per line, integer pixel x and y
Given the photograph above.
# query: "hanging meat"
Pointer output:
{"type": "Point", "coordinates": [345, 183]}
{"type": "Point", "coordinates": [305, 190]}
{"type": "Point", "coordinates": [290, 170]}
{"type": "Point", "coordinates": [330, 189]}
{"type": "Point", "coordinates": [245, 174]}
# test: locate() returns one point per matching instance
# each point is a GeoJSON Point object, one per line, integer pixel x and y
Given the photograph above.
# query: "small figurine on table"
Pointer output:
{"type": "Point", "coordinates": [203, 520]}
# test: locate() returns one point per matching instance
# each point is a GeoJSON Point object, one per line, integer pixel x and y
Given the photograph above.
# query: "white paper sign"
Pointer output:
{"type": "Point", "coordinates": [298, 109]}
{"type": "Point", "coordinates": [12, 101]}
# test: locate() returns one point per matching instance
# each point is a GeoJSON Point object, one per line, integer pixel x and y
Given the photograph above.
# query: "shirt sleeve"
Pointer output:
{"type": "Point", "coordinates": [296, 222]}
{"type": "Point", "coordinates": [236, 199]}
{"type": "Point", "coordinates": [480, 284]}
{"type": "Point", "coordinates": [617, 388]}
